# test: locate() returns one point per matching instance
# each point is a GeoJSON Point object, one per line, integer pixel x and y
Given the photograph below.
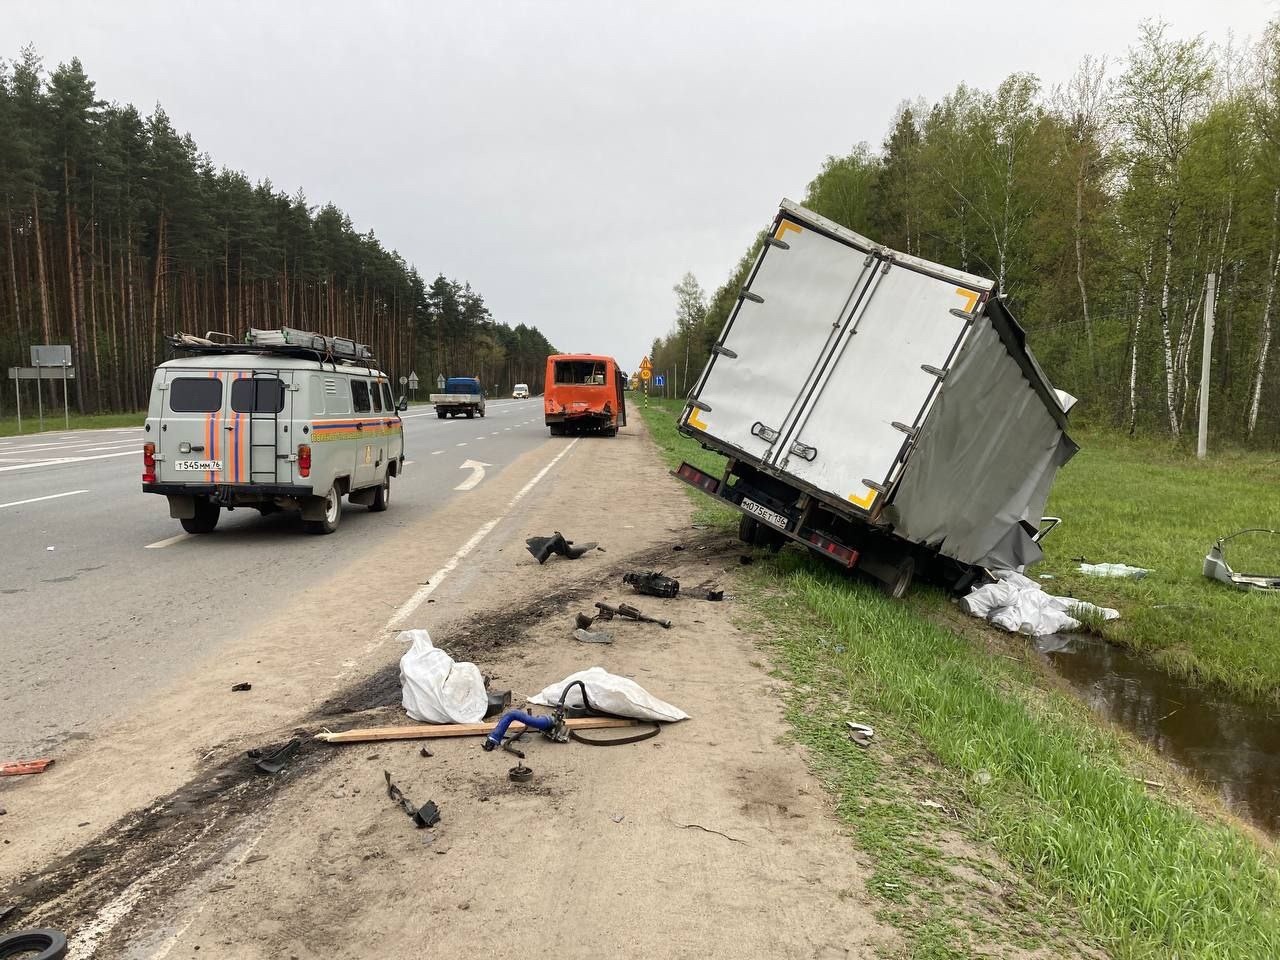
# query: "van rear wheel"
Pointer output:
{"type": "Point", "coordinates": [206, 517]}
{"type": "Point", "coordinates": [382, 499]}
{"type": "Point", "coordinates": [332, 514]}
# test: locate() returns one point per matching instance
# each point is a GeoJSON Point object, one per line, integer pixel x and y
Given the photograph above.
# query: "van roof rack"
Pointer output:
{"type": "Point", "coordinates": [285, 341]}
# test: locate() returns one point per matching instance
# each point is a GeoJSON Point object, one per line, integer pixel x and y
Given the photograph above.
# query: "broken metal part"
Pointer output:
{"type": "Point", "coordinates": [7, 912]}
{"type": "Point", "coordinates": [520, 774]}
{"type": "Point", "coordinates": [498, 702]}
{"type": "Point", "coordinates": [608, 612]}
{"type": "Point", "coordinates": [427, 815]}
{"type": "Point", "coordinates": [592, 636]}
{"type": "Point", "coordinates": [543, 547]}
{"type": "Point", "coordinates": [34, 944]}
{"type": "Point", "coordinates": [653, 584]}
{"type": "Point", "coordinates": [1217, 568]}
{"type": "Point", "coordinates": [238, 687]}
{"type": "Point", "coordinates": [583, 622]}
{"type": "Point", "coordinates": [274, 763]}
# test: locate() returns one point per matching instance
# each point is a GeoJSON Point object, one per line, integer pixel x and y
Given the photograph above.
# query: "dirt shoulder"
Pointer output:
{"type": "Point", "coordinates": [711, 839]}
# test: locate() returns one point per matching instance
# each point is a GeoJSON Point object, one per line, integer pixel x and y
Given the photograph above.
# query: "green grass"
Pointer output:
{"type": "Point", "coordinates": [1150, 505]}
{"type": "Point", "coordinates": [1022, 769]}
{"type": "Point", "coordinates": [53, 422]}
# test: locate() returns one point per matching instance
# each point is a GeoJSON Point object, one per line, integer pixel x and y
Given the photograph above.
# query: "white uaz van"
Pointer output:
{"type": "Point", "coordinates": [521, 392]}
{"type": "Point", "coordinates": [287, 420]}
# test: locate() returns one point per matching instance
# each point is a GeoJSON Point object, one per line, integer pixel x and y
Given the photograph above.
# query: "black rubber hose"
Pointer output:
{"type": "Point", "coordinates": [586, 703]}
{"type": "Point", "coordinates": [52, 944]}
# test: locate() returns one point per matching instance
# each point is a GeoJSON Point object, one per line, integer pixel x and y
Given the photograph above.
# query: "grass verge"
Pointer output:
{"type": "Point", "coordinates": [971, 746]}
{"type": "Point", "coordinates": [55, 424]}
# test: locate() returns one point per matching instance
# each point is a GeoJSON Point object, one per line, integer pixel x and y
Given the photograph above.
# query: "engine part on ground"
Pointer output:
{"type": "Point", "coordinates": [1217, 568]}
{"type": "Point", "coordinates": [22, 768]}
{"type": "Point", "coordinates": [628, 612]}
{"type": "Point", "coordinates": [592, 636]}
{"type": "Point", "coordinates": [427, 815]}
{"type": "Point", "coordinates": [543, 547]}
{"type": "Point", "coordinates": [520, 774]}
{"type": "Point", "coordinates": [273, 763]}
{"type": "Point", "coordinates": [498, 701]}
{"type": "Point", "coordinates": [616, 741]}
{"type": "Point", "coordinates": [652, 583]}
{"type": "Point", "coordinates": [552, 728]}
{"type": "Point", "coordinates": [51, 944]}
{"type": "Point", "coordinates": [582, 621]}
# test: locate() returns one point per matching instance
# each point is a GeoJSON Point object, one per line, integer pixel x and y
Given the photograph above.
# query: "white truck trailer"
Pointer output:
{"type": "Point", "coordinates": [879, 409]}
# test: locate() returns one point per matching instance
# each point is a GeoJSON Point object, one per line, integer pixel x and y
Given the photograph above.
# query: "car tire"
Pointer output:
{"type": "Point", "coordinates": [440, 414]}
{"type": "Point", "coordinates": [206, 517]}
{"type": "Point", "coordinates": [51, 944]}
{"type": "Point", "coordinates": [382, 499]}
{"type": "Point", "coordinates": [332, 514]}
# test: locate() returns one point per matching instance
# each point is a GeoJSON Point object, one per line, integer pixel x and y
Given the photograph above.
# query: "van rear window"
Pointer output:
{"type": "Point", "coordinates": [195, 395]}
{"type": "Point", "coordinates": [257, 395]}
{"type": "Point", "coordinates": [579, 372]}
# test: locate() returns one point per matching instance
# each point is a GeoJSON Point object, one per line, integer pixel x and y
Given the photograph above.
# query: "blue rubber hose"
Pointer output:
{"type": "Point", "coordinates": [496, 735]}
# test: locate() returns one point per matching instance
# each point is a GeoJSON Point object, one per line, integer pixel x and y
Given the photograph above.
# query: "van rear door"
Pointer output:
{"type": "Point", "coordinates": [256, 430]}
{"type": "Point", "coordinates": [191, 441]}
{"type": "Point", "coordinates": [800, 296]}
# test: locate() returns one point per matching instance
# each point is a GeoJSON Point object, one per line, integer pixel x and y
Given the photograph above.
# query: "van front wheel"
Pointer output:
{"type": "Point", "coordinates": [206, 517]}
{"type": "Point", "coordinates": [332, 514]}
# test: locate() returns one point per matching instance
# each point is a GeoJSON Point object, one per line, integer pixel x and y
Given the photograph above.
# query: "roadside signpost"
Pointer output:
{"type": "Point", "coordinates": [646, 372]}
{"type": "Point", "coordinates": [440, 382]}
{"type": "Point", "coordinates": [413, 384]}
{"type": "Point", "coordinates": [45, 356]}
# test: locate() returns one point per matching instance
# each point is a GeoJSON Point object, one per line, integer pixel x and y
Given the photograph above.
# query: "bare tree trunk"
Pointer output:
{"type": "Point", "coordinates": [13, 275]}
{"type": "Point", "coordinates": [41, 279]}
{"type": "Point", "coordinates": [1164, 326]}
{"type": "Point", "coordinates": [1084, 295]}
{"type": "Point", "coordinates": [1133, 347]}
{"type": "Point", "coordinates": [156, 288]}
{"type": "Point", "coordinates": [1264, 347]}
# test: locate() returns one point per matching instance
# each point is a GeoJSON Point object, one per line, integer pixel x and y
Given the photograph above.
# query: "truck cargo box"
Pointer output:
{"type": "Point", "coordinates": [871, 402]}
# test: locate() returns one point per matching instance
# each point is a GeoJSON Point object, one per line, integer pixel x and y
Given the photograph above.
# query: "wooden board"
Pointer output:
{"type": "Point", "coordinates": [426, 731]}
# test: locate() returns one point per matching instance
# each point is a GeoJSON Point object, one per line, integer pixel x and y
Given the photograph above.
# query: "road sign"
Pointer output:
{"type": "Point", "coordinates": [403, 381]}
{"type": "Point", "coordinates": [413, 381]}
{"type": "Point", "coordinates": [41, 372]}
{"type": "Point", "coordinates": [659, 381]}
{"type": "Point", "coordinates": [51, 355]}
{"type": "Point", "coordinates": [646, 365]}
{"type": "Point", "coordinates": [645, 373]}
{"type": "Point", "coordinates": [440, 382]}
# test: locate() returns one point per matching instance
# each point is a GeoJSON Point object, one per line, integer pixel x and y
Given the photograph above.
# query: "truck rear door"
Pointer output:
{"type": "Point", "coordinates": [804, 288]}
{"type": "Point", "coordinates": [850, 431]}
{"type": "Point", "coordinates": [191, 442]}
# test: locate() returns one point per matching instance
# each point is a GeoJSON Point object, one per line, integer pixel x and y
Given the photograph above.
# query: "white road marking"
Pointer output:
{"type": "Point", "coordinates": [54, 463]}
{"type": "Point", "coordinates": [52, 496]}
{"type": "Point", "coordinates": [477, 474]}
{"type": "Point", "coordinates": [436, 453]}
{"type": "Point", "coordinates": [167, 542]}
{"type": "Point", "coordinates": [406, 609]}
{"type": "Point", "coordinates": [462, 444]}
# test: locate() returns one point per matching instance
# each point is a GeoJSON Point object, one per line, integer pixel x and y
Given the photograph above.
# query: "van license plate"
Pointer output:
{"type": "Point", "coordinates": [201, 466]}
{"type": "Point", "coordinates": [770, 517]}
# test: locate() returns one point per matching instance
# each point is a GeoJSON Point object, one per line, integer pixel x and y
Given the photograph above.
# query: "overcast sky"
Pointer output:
{"type": "Point", "coordinates": [571, 160]}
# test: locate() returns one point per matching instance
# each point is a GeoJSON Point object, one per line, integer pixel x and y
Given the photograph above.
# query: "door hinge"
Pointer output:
{"type": "Point", "coordinates": [872, 485]}
{"type": "Point", "coordinates": [724, 351]}
{"type": "Point", "coordinates": [753, 297]}
{"type": "Point", "coordinates": [940, 374]}
{"type": "Point", "coordinates": [964, 314]}
{"type": "Point", "coordinates": [700, 405]}
{"type": "Point", "coordinates": [775, 242]}
{"type": "Point", "coordinates": [903, 428]}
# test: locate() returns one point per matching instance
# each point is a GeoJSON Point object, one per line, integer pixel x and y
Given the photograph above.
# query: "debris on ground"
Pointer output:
{"type": "Point", "coordinates": [238, 687]}
{"type": "Point", "coordinates": [543, 547]}
{"type": "Point", "coordinates": [1113, 570]}
{"type": "Point", "coordinates": [652, 583]}
{"type": "Point", "coordinates": [7, 912]}
{"type": "Point", "coordinates": [592, 636]}
{"type": "Point", "coordinates": [273, 763]}
{"type": "Point", "coordinates": [1018, 604]}
{"type": "Point", "coordinates": [1217, 568]}
{"type": "Point", "coordinates": [860, 733]}
{"type": "Point", "coordinates": [628, 612]}
{"type": "Point", "coordinates": [582, 621]}
{"type": "Point", "coordinates": [427, 815]}
{"type": "Point", "coordinates": [746, 559]}
{"type": "Point", "coordinates": [608, 693]}
{"type": "Point", "coordinates": [434, 731]}
{"type": "Point", "coordinates": [520, 774]}
{"type": "Point", "coordinates": [435, 688]}
{"type": "Point", "coordinates": [22, 768]}
{"type": "Point", "coordinates": [36, 944]}
{"type": "Point", "coordinates": [498, 701]}
{"type": "Point", "coordinates": [424, 752]}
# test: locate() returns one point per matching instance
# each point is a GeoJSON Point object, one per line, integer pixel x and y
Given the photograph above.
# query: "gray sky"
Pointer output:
{"type": "Point", "coordinates": [570, 159]}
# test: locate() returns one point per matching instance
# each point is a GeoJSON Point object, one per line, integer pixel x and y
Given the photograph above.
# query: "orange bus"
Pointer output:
{"type": "Point", "coordinates": [583, 394]}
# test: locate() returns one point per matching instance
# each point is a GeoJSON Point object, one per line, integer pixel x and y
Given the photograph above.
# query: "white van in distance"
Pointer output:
{"type": "Point", "coordinates": [521, 392]}
{"type": "Point", "coordinates": [287, 420]}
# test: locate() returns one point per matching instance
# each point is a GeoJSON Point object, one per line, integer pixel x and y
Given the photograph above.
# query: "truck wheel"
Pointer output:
{"type": "Point", "coordinates": [482, 413]}
{"type": "Point", "coordinates": [747, 529]}
{"type": "Point", "coordinates": [471, 414]}
{"type": "Point", "coordinates": [440, 414]}
{"type": "Point", "coordinates": [557, 429]}
{"type": "Point", "coordinates": [892, 575]}
{"type": "Point", "coordinates": [611, 432]}
{"type": "Point", "coordinates": [206, 517]}
{"type": "Point", "coordinates": [382, 499]}
{"type": "Point", "coordinates": [332, 514]}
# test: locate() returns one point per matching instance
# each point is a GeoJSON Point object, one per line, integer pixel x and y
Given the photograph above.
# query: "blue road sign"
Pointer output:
{"type": "Point", "coordinates": [659, 381]}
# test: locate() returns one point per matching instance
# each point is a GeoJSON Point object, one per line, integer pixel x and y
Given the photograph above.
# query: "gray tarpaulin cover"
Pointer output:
{"type": "Point", "coordinates": [975, 485]}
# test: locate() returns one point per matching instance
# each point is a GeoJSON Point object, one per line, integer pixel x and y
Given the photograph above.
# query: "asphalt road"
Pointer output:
{"type": "Point", "coordinates": [93, 571]}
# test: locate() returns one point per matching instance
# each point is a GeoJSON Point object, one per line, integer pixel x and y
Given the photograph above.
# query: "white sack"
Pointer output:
{"type": "Point", "coordinates": [610, 693]}
{"type": "Point", "coordinates": [434, 688]}
{"type": "Point", "coordinates": [1019, 605]}
{"type": "Point", "coordinates": [1113, 570]}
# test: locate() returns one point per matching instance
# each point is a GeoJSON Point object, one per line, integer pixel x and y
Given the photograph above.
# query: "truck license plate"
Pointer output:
{"type": "Point", "coordinates": [770, 517]}
{"type": "Point", "coordinates": [202, 466]}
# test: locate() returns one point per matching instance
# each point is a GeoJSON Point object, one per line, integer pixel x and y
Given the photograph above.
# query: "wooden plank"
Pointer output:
{"type": "Point", "coordinates": [426, 731]}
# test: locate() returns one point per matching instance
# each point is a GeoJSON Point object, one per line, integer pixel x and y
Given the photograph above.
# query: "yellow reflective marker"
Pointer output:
{"type": "Point", "coordinates": [784, 226]}
{"type": "Point", "coordinates": [971, 296]}
{"type": "Point", "coordinates": [693, 420]}
{"type": "Point", "coordinates": [864, 501]}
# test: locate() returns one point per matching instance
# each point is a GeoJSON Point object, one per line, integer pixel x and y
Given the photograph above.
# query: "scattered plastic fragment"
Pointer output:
{"type": "Point", "coordinates": [592, 636]}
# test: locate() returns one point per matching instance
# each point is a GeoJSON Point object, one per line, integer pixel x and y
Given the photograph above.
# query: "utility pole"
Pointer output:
{"type": "Point", "coordinates": [1206, 354]}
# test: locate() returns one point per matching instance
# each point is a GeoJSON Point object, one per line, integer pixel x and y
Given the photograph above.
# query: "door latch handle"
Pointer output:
{"type": "Point", "coordinates": [804, 451]}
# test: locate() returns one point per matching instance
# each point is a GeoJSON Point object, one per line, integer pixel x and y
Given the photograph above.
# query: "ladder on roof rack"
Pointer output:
{"type": "Point", "coordinates": [339, 347]}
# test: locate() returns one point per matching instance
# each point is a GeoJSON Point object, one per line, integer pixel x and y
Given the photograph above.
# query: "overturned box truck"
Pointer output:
{"type": "Point", "coordinates": [878, 409]}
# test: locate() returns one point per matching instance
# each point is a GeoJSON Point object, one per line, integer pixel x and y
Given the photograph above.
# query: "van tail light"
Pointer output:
{"type": "Point", "coordinates": [304, 459]}
{"type": "Point", "coordinates": [148, 463]}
